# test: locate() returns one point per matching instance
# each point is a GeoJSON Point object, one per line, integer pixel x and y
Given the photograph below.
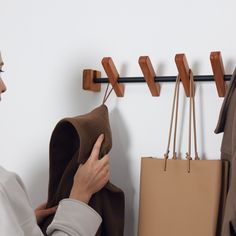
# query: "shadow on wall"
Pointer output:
{"type": "Point", "coordinates": [80, 100]}
{"type": "Point", "coordinates": [120, 167]}
{"type": "Point", "coordinates": [229, 66]}
{"type": "Point", "coordinates": [200, 126]}
{"type": "Point", "coordinates": [180, 127]}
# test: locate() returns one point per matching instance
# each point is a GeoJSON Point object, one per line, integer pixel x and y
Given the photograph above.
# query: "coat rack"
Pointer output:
{"type": "Point", "coordinates": [92, 79]}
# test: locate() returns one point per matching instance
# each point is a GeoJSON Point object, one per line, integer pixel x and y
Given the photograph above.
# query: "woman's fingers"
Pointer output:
{"type": "Point", "coordinates": [49, 211]}
{"type": "Point", "coordinates": [42, 206]}
{"type": "Point", "coordinates": [96, 148]}
{"type": "Point", "coordinates": [41, 213]}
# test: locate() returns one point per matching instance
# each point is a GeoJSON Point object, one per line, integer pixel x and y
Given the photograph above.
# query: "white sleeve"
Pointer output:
{"type": "Point", "coordinates": [9, 225]}
{"type": "Point", "coordinates": [74, 218]}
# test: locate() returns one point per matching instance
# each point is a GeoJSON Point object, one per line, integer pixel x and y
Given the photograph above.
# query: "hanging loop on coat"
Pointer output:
{"type": "Point", "coordinates": [106, 95]}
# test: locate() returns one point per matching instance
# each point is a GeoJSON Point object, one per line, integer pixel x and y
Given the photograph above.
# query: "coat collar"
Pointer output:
{"type": "Point", "coordinates": [223, 112]}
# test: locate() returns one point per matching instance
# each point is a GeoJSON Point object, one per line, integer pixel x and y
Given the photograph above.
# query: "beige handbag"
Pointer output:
{"type": "Point", "coordinates": [182, 197]}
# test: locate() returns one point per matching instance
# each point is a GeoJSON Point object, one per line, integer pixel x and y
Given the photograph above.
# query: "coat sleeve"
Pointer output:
{"type": "Point", "coordinates": [74, 218]}
{"type": "Point", "coordinates": [8, 222]}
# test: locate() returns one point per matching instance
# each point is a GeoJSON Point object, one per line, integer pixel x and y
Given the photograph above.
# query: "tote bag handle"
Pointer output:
{"type": "Point", "coordinates": [192, 115]}
{"type": "Point", "coordinates": [175, 105]}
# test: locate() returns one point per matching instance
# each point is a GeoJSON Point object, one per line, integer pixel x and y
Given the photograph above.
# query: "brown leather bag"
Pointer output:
{"type": "Point", "coordinates": [182, 197]}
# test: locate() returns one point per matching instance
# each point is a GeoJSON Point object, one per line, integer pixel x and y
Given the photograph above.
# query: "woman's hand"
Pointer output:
{"type": "Point", "coordinates": [91, 176]}
{"type": "Point", "coordinates": [41, 212]}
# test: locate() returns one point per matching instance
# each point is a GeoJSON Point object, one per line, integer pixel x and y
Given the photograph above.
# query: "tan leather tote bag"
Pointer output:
{"type": "Point", "coordinates": [182, 197]}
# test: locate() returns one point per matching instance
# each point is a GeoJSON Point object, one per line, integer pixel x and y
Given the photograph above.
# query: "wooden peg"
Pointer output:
{"type": "Point", "coordinates": [113, 76]}
{"type": "Point", "coordinates": [88, 76]}
{"type": "Point", "coordinates": [149, 75]}
{"type": "Point", "coordinates": [218, 71]}
{"type": "Point", "coordinates": [183, 69]}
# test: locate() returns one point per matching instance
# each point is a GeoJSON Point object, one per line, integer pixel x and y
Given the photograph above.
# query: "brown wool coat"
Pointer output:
{"type": "Point", "coordinates": [227, 124]}
{"type": "Point", "coordinates": [71, 144]}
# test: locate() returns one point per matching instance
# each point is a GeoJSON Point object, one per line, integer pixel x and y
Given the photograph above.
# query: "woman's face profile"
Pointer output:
{"type": "Point", "coordinates": [2, 85]}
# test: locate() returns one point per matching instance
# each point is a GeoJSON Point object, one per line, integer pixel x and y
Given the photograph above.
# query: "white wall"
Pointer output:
{"type": "Point", "coordinates": [47, 44]}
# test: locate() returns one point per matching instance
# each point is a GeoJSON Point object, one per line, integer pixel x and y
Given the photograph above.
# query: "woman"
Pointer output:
{"type": "Point", "coordinates": [73, 215]}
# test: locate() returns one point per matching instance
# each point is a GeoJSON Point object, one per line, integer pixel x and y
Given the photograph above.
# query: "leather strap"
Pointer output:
{"type": "Point", "coordinates": [192, 116]}
{"type": "Point", "coordinates": [175, 105]}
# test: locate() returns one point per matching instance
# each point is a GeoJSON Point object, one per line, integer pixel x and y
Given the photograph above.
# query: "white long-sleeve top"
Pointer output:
{"type": "Point", "coordinates": [17, 218]}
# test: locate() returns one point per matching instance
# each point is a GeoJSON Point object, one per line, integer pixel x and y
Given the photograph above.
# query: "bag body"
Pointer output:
{"type": "Point", "coordinates": [178, 202]}
{"type": "Point", "coordinates": [182, 197]}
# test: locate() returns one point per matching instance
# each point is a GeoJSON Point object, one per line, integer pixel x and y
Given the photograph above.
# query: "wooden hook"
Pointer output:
{"type": "Point", "coordinates": [88, 84]}
{"type": "Point", "coordinates": [183, 69]}
{"type": "Point", "coordinates": [218, 71]}
{"type": "Point", "coordinates": [149, 75]}
{"type": "Point", "coordinates": [113, 76]}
